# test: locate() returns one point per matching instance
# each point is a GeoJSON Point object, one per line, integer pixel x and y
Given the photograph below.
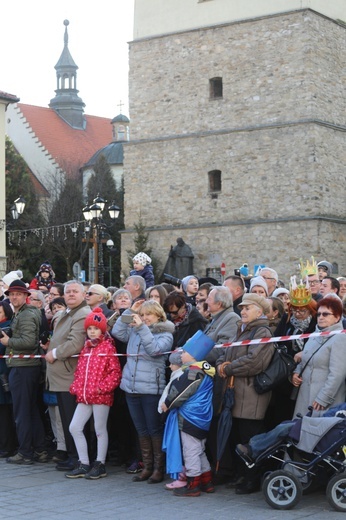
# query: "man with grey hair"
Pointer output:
{"type": "Point", "coordinates": [136, 286]}
{"type": "Point", "coordinates": [271, 277]}
{"type": "Point", "coordinates": [67, 341]}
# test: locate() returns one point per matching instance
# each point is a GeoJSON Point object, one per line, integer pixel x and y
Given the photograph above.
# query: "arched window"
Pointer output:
{"type": "Point", "coordinates": [214, 178]}
{"type": "Point", "coordinates": [215, 88]}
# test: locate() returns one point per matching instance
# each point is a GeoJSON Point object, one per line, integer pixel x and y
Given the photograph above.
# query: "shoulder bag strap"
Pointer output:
{"type": "Point", "coordinates": [312, 355]}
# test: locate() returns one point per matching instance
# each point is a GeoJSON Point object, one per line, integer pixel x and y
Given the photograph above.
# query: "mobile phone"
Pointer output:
{"type": "Point", "coordinates": [1, 334]}
{"type": "Point", "coordinates": [127, 318]}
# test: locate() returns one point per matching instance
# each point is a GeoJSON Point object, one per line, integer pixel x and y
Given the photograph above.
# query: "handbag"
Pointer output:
{"type": "Point", "coordinates": [279, 370]}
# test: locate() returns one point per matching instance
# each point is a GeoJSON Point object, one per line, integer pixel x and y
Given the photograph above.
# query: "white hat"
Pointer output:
{"type": "Point", "coordinates": [12, 276]}
{"type": "Point", "coordinates": [142, 258]}
{"type": "Point", "coordinates": [280, 290]}
{"type": "Point", "coordinates": [259, 280]}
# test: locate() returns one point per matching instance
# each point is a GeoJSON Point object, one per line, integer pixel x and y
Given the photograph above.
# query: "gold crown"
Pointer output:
{"type": "Point", "coordinates": [300, 295]}
{"type": "Point", "coordinates": [308, 269]}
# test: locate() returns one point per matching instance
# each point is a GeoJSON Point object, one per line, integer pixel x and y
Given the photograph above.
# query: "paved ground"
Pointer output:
{"type": "Point", "coordinates": [40, 492]}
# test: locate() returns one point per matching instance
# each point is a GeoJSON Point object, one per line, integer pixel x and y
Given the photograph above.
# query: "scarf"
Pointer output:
{"type": "Point", "coordinates": [92, 343]}
{"type": "Point", "coordinates": [184, 316]}
{"type": "Point", "coordinates": [299, 327]}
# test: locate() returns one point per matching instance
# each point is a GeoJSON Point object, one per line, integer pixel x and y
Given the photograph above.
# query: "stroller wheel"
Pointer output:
{"type": "Point", "coordinates": [282, 490]}
{"type": "Point", "coordinates": [336, 492]}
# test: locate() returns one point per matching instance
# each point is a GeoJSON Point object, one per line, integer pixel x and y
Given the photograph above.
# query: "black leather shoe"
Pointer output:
{"type": "Point", "coordinates": [246, 488]}
{"type": "Point", "coordinates": [235, 482]}
{"type": "Point", "coordinates": [67, 465]}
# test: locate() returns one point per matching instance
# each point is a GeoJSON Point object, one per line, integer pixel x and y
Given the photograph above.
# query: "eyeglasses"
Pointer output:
{"type": "Point", "coordinates": [300, 311]}
{"type": "Point", "coordinates": [91, 293]}
{"type": "Point", "coordinates": [175, 313]}
{"type": "Point", "coordinates": [34, 299]}
{"type": "Point", "coordinates": [267, 277]}
{"type": "Point", "coordinates": [324, 314]}
{"type": "Point", "coordinates": [314, 282]}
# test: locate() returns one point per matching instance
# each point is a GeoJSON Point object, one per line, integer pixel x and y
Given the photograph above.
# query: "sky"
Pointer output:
{"type": "Point", "coordinates": [32, 39]}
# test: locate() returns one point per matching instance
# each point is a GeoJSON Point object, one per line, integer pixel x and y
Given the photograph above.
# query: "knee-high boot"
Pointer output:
{"type": "Point", "coordinates": [159, 460]}
{"type": "Point", "coordinates": [147, 457]}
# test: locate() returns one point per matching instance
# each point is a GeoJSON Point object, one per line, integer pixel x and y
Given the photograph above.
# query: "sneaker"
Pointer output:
{"type": "Point", "coordinates": [60, 456]}
{"type": "Point", "coordinates": [19, 459]}
{"type": "Point", "coordinates": [79, 472]}
{"type": "Point", "coordinates": [97, 471]}
{"type": "Point", "coordinates": [41, 456]}
{"type": "Point", "coordinates": [135, 467]}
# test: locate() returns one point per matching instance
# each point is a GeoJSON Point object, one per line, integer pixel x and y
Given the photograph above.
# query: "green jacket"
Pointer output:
{"type": "Point", "coordinates": [25, 328]}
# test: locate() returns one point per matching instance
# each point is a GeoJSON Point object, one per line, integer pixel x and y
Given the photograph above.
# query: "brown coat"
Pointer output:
{"type": "Point", "coordinates": [246, 362]}
{"type": "Point", "coordinates": [68, 339]}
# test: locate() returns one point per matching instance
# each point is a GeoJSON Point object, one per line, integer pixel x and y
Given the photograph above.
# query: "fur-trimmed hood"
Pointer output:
{"type": "Point", "coordinates": [162, 326]}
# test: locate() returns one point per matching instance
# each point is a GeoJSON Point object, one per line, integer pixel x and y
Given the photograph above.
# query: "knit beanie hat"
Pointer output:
{"type": "Point", "coordinates": [11, 276]}
{"type": "Point", "coordinates": [259, 280]}
{"type": "Point", "coordinates": [326, 266]}
{"type": "Point", "coordinates": [186, 280]}
{"type": "Point", "coordinates": [142, 258]}
{"type": "Point", "coordinates": [96, 319]}
{"type": "Point", "coordinates": [175, 358]}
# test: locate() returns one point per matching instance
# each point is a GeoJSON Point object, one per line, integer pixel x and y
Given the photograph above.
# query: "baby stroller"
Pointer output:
{"type": "Point", "coordinates": [312, 454]}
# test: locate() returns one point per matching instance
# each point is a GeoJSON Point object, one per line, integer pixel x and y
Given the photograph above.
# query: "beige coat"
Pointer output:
{"type": "Point", "coordinates": [246, 362]}
{"type": "Point", "coordinates": [68, 339]}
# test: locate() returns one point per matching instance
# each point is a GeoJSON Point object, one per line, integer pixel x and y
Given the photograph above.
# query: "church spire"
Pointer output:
{"type": "Point", "coordinates": [67, 103]}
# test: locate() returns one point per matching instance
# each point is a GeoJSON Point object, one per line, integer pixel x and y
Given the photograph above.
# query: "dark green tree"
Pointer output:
{"type": "Point", "coordinates": [141, 244]}
{"type": "Point", "coordinates": [25, 252]}
{"type": "Point", "coordinates": [102, 183]}
{"type": "Point", "coordinates": [63, 247]}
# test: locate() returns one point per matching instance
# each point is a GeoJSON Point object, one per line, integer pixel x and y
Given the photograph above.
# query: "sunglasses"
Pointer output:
{"type": "Point", "coordinates": [324, 314]}
{"type": "Point", "coordinates": [175, 313]}
{"type": "Point", "coordinates": [91, 293]}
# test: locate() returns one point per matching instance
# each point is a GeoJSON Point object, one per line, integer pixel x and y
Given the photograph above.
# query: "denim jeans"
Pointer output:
{"type": "Point", "coordinates": [263, 441]}
{"type": "Point", "coordinates": [144, 414]}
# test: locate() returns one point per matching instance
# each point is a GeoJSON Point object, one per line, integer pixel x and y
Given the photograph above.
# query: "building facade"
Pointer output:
{"type": "Point", "coordinates": [238, 139]}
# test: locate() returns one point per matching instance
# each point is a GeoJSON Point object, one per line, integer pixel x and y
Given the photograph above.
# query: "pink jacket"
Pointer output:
{"type": "Point", "coordinates": [96, 377]}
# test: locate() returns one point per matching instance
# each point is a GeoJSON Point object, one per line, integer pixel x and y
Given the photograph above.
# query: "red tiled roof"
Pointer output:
{"type": "Point", "coordinates": [70, 147]}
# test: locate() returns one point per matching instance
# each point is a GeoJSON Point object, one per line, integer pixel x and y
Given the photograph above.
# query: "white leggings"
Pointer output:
{"type": "Point", "coordinates": [82, 414]}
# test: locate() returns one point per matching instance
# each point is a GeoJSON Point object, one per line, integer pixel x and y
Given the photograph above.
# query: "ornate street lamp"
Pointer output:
{"type": "Point", "coordinates": [93, 216]}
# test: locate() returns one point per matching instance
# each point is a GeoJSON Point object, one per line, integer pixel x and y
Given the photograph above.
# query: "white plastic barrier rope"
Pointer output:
{"type": "Point", "coordinates": [276, 339]}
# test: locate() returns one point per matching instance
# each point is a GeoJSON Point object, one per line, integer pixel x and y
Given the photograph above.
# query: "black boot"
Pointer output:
{"type": "Point", "coordinates": [159, 459]}
{"type": "Point", "coordinates": [147, 457]}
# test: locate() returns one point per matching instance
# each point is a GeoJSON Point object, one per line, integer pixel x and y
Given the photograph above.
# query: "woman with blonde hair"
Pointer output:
{"type": "Point", "coordinates": [98, 296]}
{"type": "Point", "coordinates": [149, 336]}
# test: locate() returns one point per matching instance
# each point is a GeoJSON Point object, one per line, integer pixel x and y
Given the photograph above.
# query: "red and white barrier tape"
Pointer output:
{"type": "Point", "coordinates": [276, 339]}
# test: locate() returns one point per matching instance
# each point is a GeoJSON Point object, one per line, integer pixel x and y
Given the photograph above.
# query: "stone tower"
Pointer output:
{"type": "Point", "coordinates": [238, 139]}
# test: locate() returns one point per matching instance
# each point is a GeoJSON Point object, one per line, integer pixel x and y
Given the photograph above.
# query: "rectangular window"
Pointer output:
{"type": "Point", "coordinates": [214, 177]}
{"type": "Point", "coordinates": [215, 88]}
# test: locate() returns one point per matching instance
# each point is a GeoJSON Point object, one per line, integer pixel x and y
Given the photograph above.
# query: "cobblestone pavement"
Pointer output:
{"type": "Point", "coordinates": [40, 492]}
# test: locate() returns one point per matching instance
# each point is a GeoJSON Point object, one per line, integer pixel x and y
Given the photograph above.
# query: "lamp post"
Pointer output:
{"type": "Point", "coordinates": [93, 215]}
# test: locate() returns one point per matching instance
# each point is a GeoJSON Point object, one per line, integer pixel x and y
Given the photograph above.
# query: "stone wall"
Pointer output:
{"type": "Point", "coordinates": [277, 135]}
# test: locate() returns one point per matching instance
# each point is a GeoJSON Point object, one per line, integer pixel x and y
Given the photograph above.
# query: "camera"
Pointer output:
{"type": "Point", "coordinates": [45, 337]}
{"type": "Point", "coordinates": [172, 280]}
{"type": "Point", "coordinates": [237, 272]}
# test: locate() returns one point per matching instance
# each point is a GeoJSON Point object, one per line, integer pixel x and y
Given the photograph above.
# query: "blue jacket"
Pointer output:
{"type": "Point", "coordinates": [147, 273]}
{"type": "Point", "coordinates": [144, 372]}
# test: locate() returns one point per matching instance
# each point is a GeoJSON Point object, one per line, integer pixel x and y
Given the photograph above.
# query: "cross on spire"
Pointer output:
{"type": "Point", "coordinates": [120, 105]}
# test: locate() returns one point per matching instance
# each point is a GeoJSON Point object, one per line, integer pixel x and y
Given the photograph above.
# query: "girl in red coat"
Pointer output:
{"type": "Point", "coordinates": [97, 375]}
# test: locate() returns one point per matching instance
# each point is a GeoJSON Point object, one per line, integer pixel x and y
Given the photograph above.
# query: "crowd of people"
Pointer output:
{"type": "Point", "coordinates": [137, 374]}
